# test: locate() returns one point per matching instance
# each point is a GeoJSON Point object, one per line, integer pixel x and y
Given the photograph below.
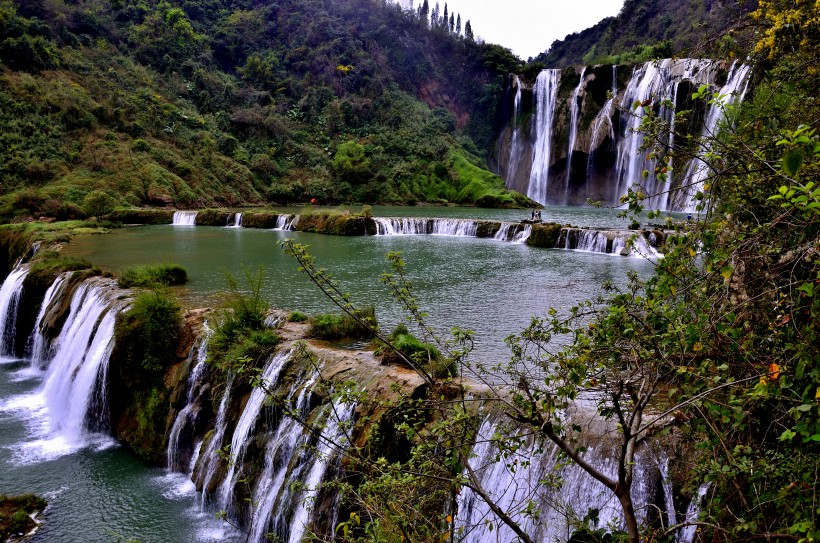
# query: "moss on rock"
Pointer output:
{"type": "Point", "coordinates": [544, 235]}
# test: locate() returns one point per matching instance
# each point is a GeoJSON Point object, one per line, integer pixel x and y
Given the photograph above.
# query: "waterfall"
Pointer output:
{"type": "Point", "coordinates": [737, 83]}
{"type": "Point", "coordinates": [185, 218]}
{"type": "Point", "coordinates": [234, 220]}
{"type": "Point", "coordinates": [246, 423]}
{"type": "Point", "coordinates": [516, 145]}
{"type": "Point", "coordinates": [519, 477]}
{"type": "Point", "coordinates": [39, 347]}
{"type": "Point", "coordinates": [285, 222]}
{"type": "Point", "coordinates": [74, 389]}
{"type": "Point", "coordinates": [333, 437]}
{"type": "Point", "coordinates": [393, 226]}
{"type": "Point", "coordinates": [687, 533]}
{"type": "Point", "coordinates": [209, 457]}
{"type": "Point", "coordinates": [10, 294]}
{"type": "Point", "coordinates": [615, 242]}
{"type": "Point", "coordinates": [604, 116]}
{"type": "Point", "coordinates": [573, 131]}
{"type": "Point", "coordinates": [186, 417]}
{"type": "Point", "coordinates": [280, 448]}
{"type": "Point", "coordinates": [544, 98]}
{"type": "Point", "coordinates": [653, 83]}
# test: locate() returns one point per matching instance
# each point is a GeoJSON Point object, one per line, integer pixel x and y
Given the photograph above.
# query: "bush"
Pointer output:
{"type": "Point", "coordinates": [422, 354]}
{"type": "Point", "coordinates": [153, 276]}
{"type": "Point", "coordinates": [329, 326]}
{"type": "Point", "coordinates": [297, 316]}
{"type": "Point", "coordinates": [98, 203]}
{"type": "Point", "coordinates": [148, 332]}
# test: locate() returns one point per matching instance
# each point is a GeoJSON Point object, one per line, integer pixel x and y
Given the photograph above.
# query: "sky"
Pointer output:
{"type": "Point", "coordinates": [529, 27]}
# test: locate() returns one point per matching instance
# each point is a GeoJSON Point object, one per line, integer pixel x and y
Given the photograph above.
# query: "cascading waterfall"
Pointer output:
{"type": "Point", "coordinates": [654, 82]}
{"type": "Point", "coordinates": [209, 458]}
{"type": "Point", "coordinates": [615, 242]}
{"type": "Point", "coordinates": [518, 478]}
{"type": "Point", "coordinates": [687, 533]}
{"type": "Point", "coordinates": [10, 294]}
{"type": "Point", "coordinates": [187, 415]}
{"type": "Point", "coordinates": [391, 226]}
{"type": "Point", "coordinates": [285, 222]}
{"type": "Point", "coordinates": [39, 348]}
{"type": "Point", "coordinates": [74, 389]}
{"type": "Point", "coordinates": [332, 438]}
{"type": "Point", "coordinates": [185, 218]}
{"type": "Point", "coordinates": [247, 420]}
{"type": "Point", "coordinates": [737, 83]}
{"type": "Point", "coordinates": [573, 131]}
{"type": "Point", "coordinates": [544, 97]}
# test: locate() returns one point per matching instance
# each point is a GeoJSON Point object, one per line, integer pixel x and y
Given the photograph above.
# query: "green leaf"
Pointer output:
{"type": "Point", "coordinates": [792, 162]}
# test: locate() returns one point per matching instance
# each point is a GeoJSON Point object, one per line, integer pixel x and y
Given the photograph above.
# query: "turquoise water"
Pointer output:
{"type": "Point", "coordinates": [491, 287]}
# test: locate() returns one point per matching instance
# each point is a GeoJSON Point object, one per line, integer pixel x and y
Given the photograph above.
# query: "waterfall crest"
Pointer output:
{"type": "Point", "coordinates": [39, 347]}
{"type": "Point", "coordinates": [185, 218]}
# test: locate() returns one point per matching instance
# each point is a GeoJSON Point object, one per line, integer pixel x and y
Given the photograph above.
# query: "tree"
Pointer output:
{"type": "Point", "coordinates": [445, 17]}
{"type": "Point", "coordinates": [468, 31]}
{"type": "Point", "coordinates": [452, 23]}
{"type": "Point", "coordinates": [98, 203]}
{"type": "Point", "coordinates": [458, 24]}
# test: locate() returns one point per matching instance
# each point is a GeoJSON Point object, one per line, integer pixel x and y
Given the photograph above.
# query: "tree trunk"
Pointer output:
{"type": "Point", "coordinates": [625, 497]}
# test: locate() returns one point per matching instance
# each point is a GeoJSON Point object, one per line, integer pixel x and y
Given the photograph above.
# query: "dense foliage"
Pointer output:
{"type": "Point", "coordinates": [649, 29]}
{"type": "Point", "coordinates": [198, 103]}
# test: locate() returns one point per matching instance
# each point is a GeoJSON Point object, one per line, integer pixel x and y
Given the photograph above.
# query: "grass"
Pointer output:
{"type": "Point", "coordinates": [161, 274]}
{"type": "Point", "coordinates": [149, 331]}
{"type": "Point", "coordinates": [422, 354]}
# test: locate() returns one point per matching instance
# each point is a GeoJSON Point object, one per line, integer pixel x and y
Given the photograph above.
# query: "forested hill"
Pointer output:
{"type": "Point", "coordinates": [649, 29]}
{"type": "Point", "coordinates": [202, 102]}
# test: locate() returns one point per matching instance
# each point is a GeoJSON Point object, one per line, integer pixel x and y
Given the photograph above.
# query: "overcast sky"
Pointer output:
{"type": "Point", "coordinates": [529, 27]}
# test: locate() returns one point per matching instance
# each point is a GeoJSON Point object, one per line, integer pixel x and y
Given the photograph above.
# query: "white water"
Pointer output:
{"type": "Point", "coordinates": [39, 348]}
{"type": "Point", "coordinates": [390, 226]}
{"type": "Point", "coordinates": [333, 437]}
{"type": "Point", "coordinates": [185, 218]}
{"type": "Point", "coordinates": [604, 116]}
{"type": "Point", "coordinates": [210, 457]}
{"type": "Point", "coordinates": [10, 294]}
{"type": "Point", "coordinates": [516, 145]}
{"type": "Point", "coordinates": [69, 409]}
{"type": "Point", "coordinates": [246, 423]}
{"type": "Point", "coordinates": [198, 357]}
{"type": "Point", "coordinates": [687, 533]}
{"type": "Point", "coordinates": [544, 98]}
{"type": "Point", "coordinates": [285, 222]}
{"type": "Point", "coordinates": [520, 478]}
{"type": "Point", "coordinates": [737, 83]}
{"type": "Point", "coordinates": [653, 82]}
{"type": "Point", "coordinates": [234, 221]}
{"type": "Point", "coordinates": [612, 242]}
{"type": "Point", "coordinates": [573, 130]}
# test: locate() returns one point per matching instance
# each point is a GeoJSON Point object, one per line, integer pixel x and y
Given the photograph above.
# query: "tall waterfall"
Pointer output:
{"type": "Point", "coordinates": [10, 294]}
{"type": "Point", "coordinates": [185, 218]}
{"type": "Point", "coordinates": [519, 478]}
{"type": "Point", "coordinates": [604, 117]}
{"type": "Point", "coordinates": [573, 130]}
{"type": "Point", "coordinates": [737, 83]}
{"type": "Point", "coordinates": [516, 145]}
{"type": "Point", "coordinates": [209, 457]}
{"type": "Point", "coordinates": [544, 97]}
{"type": "Point", "coordinates": [654, 82]}
{"type": "Point", "coordinates": [39, 348]}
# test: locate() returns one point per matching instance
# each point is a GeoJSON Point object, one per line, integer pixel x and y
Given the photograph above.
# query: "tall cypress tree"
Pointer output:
{"type": "Point", "coordinates": [424, 11]}
{"type": "Point", "coordinates": [458, 24]}
{"type": "Point", "coordinates": [468, 31]}
{"type": "Point", "coordinates": [446, 18]}
{"type": "Point", "coordinates": [452, 23]}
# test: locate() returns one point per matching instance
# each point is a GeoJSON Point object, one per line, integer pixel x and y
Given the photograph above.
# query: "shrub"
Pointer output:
{"type": "Point", "coordinates": [330, 326]}
{"type": "Point", "coordinates": [98, 203]}
{"type": "Point", "coordinates": [422, 354]}
{"type": "Point", "coordinates": [148, 332]}
{"type": "Point", "coordinates": [153, 275]}
{"type": "Point", "coordinates": [297, 316]}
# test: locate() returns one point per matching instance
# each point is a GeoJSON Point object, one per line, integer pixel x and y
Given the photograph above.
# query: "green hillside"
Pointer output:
{"type": "Point", "coordinates": [650, 29]}
{"type": "Point", "coordinates": [229, 102]}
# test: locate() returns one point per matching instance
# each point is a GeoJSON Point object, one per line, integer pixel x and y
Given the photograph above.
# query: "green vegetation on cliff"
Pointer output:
{"type": "Point", "coordinates": [15, 514]}
{"type": "Point", "coordinates": [193, 104]}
